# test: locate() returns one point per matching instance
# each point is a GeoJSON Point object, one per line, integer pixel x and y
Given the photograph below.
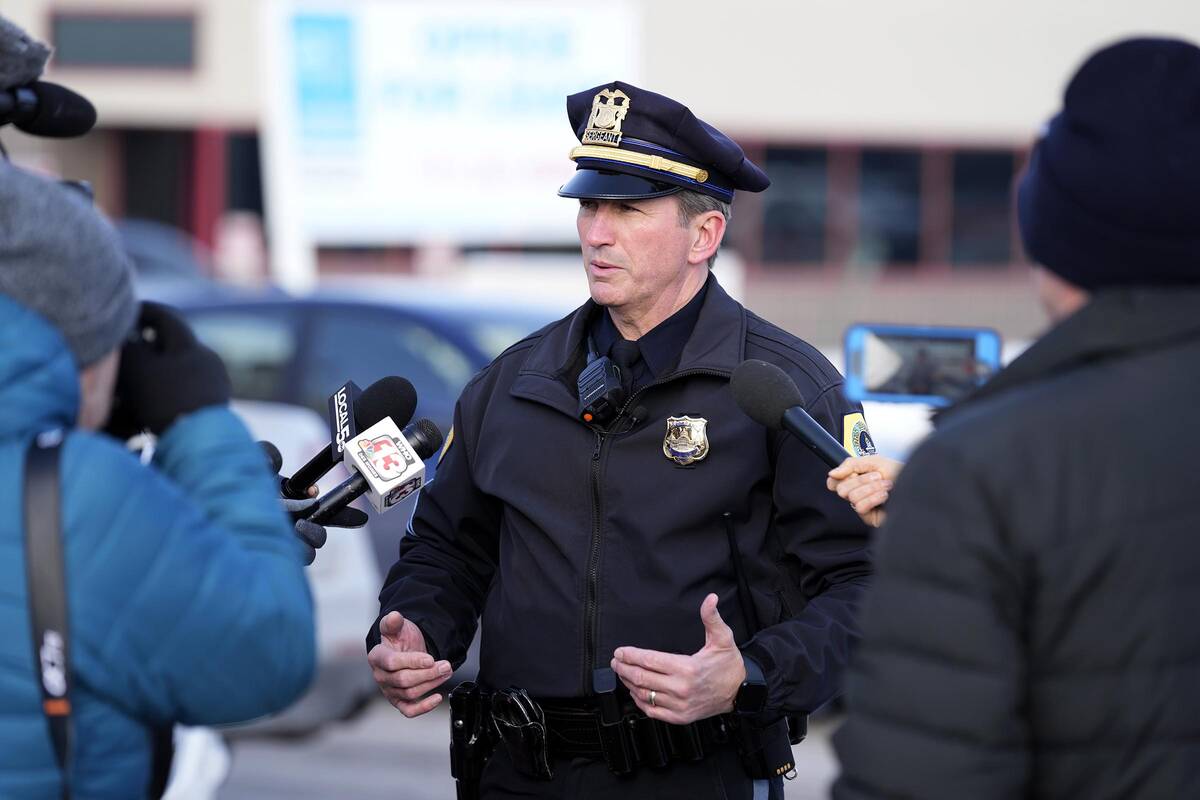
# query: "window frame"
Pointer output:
{"type": "Point", "coordinates": [843, 166]}
{"type": "Point", "coordinates": [119, 13]}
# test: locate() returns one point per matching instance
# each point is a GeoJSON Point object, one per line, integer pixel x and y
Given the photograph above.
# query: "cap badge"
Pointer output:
{"type": "Point", "coordinates": [609, 108]}
{"type": "Point", "coordinates": [687, 440]}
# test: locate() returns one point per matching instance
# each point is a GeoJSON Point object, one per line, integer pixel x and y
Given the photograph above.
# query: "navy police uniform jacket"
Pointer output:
{"type": "Point", "coordinates": [570, 541]}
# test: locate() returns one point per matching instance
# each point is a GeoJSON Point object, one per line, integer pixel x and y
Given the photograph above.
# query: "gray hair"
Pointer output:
{"type": "Point", "coordinates": [691, 204]}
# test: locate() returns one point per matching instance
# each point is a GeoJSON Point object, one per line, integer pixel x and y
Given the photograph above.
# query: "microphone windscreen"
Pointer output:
{"type": "Point", "coordinates": [764, 392]}
{"type": "Point", "coordinates": [425, 438]}
{"type": "Point", "coordinates": [274, 457]}
{"type": "Point", "coordinates": [60, 112]}
{"type": "Point", "coordinates": [22, 58]}
{"type": "Point", "coordinates": [392, 396]}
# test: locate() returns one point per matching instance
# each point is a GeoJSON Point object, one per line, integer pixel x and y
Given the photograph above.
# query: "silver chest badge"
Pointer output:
{"type": "Point", "coordinates": [686, 441]}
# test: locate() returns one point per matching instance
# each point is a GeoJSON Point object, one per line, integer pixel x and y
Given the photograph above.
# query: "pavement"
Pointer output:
{"type": "Point", "coordinates": [381, 755]}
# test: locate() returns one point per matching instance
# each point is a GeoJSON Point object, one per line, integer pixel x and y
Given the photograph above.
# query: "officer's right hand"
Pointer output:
{"type": "Point", "coordinates": [403, 668]}
{"type": "Point", "coordinates": [864, 482]}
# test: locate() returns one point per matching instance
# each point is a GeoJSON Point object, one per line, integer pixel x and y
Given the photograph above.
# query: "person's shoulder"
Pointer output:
{"type": "Point", "coordinates": [990, 436]}
{"type": "Point", "coordinates": [1025, 411]}
{"type": "Point", "coordinates": [99, 451]}
{"type": "Point", "coordinates": [512, 358]}
{"type": "Point", "coordinates": [98, 473]}
{"type": "Point", "coordinates": [806, 364]}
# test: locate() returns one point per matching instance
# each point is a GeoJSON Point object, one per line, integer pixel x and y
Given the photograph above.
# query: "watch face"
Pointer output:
{"type": "Point", "coordinates": [751, 697]}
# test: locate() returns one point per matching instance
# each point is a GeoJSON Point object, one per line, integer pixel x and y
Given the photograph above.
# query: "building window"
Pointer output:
{"type": "Point", "coordinates": [243, 175]}
{"type": "Point", "coordinates": [139, 41]}
{"type": "Point", "coordinates": [795, 208]}
{"type": "Point", "coordinates": [157, 174]}
{"type": "Point", "coordinates": [982, 208]}
{"type": "Point", "coordinates": [889, 207]}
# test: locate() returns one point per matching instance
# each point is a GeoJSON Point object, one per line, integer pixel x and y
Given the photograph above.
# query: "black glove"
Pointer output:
{"type": "Point", "coordinates": [312, 535]}
{"type": "Point", "coordinates": [165, 373]}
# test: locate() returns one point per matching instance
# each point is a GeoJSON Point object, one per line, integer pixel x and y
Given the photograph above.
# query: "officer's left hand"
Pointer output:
{"type": "Point", "coordinates": [687, 688]}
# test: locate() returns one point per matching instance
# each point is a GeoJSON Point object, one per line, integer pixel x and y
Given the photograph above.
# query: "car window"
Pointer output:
{"type": "Point", "coordinates": [364, 346]}
{"type": "Point", "coordinates": [494, 337]}
{"type": "Point", "coordinates": [256, 346]}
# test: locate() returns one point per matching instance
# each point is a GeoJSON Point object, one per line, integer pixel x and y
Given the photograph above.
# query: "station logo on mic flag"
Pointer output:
{"type": "Point", "coordinates": [385, 456]}
{"type": "Point", "coordinates": [855, 436]}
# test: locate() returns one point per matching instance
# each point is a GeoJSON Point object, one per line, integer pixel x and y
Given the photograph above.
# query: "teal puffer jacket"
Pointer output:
{"type": "Point", "coordinates": [187, 598]}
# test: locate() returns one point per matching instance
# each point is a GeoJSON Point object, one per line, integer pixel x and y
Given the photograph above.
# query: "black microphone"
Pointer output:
{"type": "Point", "coordinates": [391, 397]}
{"type": "Point", "coordinates": [638, 414]}
{"type": "Point", "coordinates": [42, 108]}
{"type": "Point", "coordinates": [423, 437]}
{"type": "Point", "coordinates": [274, 457]}
{"type": "Point", "coordinates": [770, 397]}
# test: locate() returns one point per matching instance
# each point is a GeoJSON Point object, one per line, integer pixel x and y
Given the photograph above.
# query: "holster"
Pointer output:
{"type": "Point", "coordinates": [765, 750]}
{"type": "Point", "coordinates": [797, 725]}
{"type": "Point", "coordinates": [472, 737]}
{"type": "Point", "coordinates": [521, 726]}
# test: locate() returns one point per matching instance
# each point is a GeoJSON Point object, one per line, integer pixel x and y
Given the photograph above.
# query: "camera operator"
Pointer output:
{"type": "Point", "coordinates": [185, 595]}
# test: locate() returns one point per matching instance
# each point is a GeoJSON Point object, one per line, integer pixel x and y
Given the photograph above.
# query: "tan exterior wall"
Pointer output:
{"type": "Point", "coordinates": [223, 90]}
{"type": "Point", "coordinates": [890, 69]}
{"type": "Point", "coordinates": [910, 71]}
{"type": "Point", "coordinates": [873, 69]}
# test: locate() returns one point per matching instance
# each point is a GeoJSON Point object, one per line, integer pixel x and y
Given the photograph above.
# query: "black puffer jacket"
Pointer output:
{"type": "Point", "coordinates": [1033, 629]}
{"type": "Point", "coordinates": [571, 541]}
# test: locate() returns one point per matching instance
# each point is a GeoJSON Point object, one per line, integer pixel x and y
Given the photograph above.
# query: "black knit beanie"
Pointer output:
{"type": "Point", "coordinates": [1111, 196]}
{"type": "Point", "coordinates": [60, 258]}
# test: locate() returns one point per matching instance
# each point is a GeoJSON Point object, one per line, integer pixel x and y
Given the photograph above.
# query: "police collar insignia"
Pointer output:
{"type": "Point", "coordinates": [609, 108]}
{"type": "Point", "coordinates": [686, 441]}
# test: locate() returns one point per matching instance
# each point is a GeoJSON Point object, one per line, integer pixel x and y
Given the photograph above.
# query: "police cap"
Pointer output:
{"type": "Point", "coordinates": [636, 144]}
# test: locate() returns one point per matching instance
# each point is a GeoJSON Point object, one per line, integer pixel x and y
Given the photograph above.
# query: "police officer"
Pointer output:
{"type": "Point", "coordinates": [660, 580]}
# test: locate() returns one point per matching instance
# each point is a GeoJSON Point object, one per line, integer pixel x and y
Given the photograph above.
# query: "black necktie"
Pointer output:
{"type": "Point", "coordinates": [625, 354]}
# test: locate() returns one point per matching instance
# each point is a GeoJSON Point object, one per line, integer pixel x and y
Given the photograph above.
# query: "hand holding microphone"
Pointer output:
{"type": "Point", "coordinates": [388, 465]}
{"type": "Point", "coordinates": [36, 107]}
{"type": "Point", "coordinates": [310, 534]}
{"type": "Point", "coordinates": [865, 483]}
{"type": "Point", "coordinates": [351, 411]}
{"type": "Point", "coordinates": [770, 397]}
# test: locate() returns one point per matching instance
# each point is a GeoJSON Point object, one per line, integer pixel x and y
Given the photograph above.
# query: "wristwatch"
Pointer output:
{"type": "Point", "coordinates": [752, 694]}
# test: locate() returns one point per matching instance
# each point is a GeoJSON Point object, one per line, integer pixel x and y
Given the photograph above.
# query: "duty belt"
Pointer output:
{"type": "Point", "coordinates": [582, 729]}
{"type": "Point", "coordinates": [536, 733]}
{"type": "Point", "coordinates": [607, 726]}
